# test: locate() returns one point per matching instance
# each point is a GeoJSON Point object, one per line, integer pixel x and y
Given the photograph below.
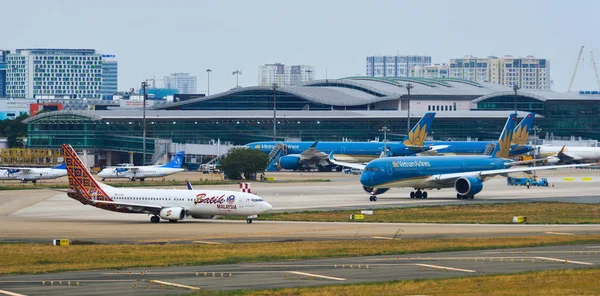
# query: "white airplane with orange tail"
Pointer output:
{"type": "Point", "coordinates": [167, 204]}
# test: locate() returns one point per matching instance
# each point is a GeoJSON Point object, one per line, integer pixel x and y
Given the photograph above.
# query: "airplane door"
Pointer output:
{"type": "Point", "coordinates": [343, 150]}
{"type": "Point", "coordinates": [389, 169]}
{"type": "Point", "coordinates": [242, 202]}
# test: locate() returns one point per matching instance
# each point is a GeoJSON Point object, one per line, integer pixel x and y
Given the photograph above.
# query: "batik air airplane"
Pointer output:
{"type": "Point", "coordinates": [465, 174]}
{"type": "Point", "coordinates": [167, 204]}
{"type": "Point", "coordinates": [143, 172]}
{"type": "Point", "coordinates": [32, 174]}
{"type": "Point", "coordinates": [309, 154]}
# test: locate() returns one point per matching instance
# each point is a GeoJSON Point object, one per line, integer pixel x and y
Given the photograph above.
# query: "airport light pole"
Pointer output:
{"type": "Point", "coordinates": [237, 74]}
{"type": "Point", "coordinates": [208, 78]}
{"type": "Point", "coordinates": [384, 129]}
{"type": "Point", "coordinates": [274, 112]}
{"type": "Point", "coordinates": [144, 85]}
{"type": "Point", "coordinates": [408, 88]}
{"type": "Point", "coordinates": [535, 130]}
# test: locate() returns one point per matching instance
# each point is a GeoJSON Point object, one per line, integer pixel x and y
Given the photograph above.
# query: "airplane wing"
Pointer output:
{"type": "Point", "coordinates": [153, 209]}
{"type": "Point", "coordinates": [433, 151]}
{"type": "Point", "coordinates": [346, 164]}
{"type": "Point", "coordinates": [566, 157]}
{"type": "Point", "coordinates": [446, 178]}
{"type": "Point", "coordinates": [312, 152]}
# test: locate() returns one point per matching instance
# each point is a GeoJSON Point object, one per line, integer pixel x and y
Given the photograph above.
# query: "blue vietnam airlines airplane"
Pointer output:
{"type": "Point", "coordinates": [465, 174]}
{"type": "Point", "coordinates": [518, 145]}
{"type": "Point", "coordinates": [304, 154]}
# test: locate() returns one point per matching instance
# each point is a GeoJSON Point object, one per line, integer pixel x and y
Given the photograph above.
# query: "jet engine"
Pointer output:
{"type": "Point", "coordinates": [553, 160]}
{"type": "Point", "coordinates": [468, 186]}
{"type": "Point", "coordinates": [377, 191]}
{"type": "Point", "coordinates": [290, 162]}
{"type": "Point", "coordinates": [172, 214]}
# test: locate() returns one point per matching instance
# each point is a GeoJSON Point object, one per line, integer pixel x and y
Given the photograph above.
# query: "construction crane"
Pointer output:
{"type": "Point", "coordinates": [576, 66]}
{"type": "Point", "coordinates": [595, 69]}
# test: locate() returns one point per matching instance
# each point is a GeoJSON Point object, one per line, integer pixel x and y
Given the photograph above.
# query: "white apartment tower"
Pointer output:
{"type": "Point", "coordinates": [528, 72]}
{"type": "Point", "coordinates": [184, 83]}
{"type": "Point", "coordinates": [394, 66]}
{"type": "Point", "coordinates": [431, 71]}
{"type": "Point", "coordinates": [57, 73]}
{"type": "Point", "coordinates": [284, 75]}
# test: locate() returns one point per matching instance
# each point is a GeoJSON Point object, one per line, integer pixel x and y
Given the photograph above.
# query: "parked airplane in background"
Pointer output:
{"type": "Point", "coordinates": [167, 204]}
{"type": "Point", "coordinates": [518, 145]}
{"type": "Point", "coordinates": [464, 173]}
{"type": "Point", "coordinates": [568, 154]}
{"type": "Point", "coordinates": [143, 172]}
{"type": "Point", "coordinates": [32, 174]}
{"type": "Point", "coordinates": [301, 155]}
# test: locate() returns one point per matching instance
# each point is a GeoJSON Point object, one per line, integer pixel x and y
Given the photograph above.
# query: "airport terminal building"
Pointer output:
{"type": "Point", "coordinates": [347, 109]}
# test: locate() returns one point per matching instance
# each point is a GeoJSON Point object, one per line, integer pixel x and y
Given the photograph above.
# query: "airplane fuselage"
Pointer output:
{"type": "Point", "coordinates": [33, 174]}
{"type": "Point", "coordinates": [472, 147]}
{"type": "Point", "coordinates": [146, 172]}
{"type": "Point", "coordinates": [397, 172]}
{"type": "Point", "coordinates": [358, 150]}
{"type": "Point", "coordinates": [197, 203]}
{"type": "Point", "coordinates": [582, 153]}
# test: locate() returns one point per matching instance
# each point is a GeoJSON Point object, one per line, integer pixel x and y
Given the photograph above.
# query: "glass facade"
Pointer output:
{"type": "Point", "coordinates": [580, 118]}
{"type": "Point", "coordinates": [109, 76]}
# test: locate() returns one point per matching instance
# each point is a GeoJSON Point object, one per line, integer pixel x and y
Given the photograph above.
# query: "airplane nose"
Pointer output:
{"type": "Point", "coordinates": [366, 179]}
{"type": "Point", "coordinates": [267, 206]}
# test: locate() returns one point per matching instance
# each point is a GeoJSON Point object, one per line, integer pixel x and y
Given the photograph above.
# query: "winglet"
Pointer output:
{"type": "Point", "coordinates": [416, 137]}
{"type": "Point", "coordinates": [189, 185]}
{"type": "Point", "coordinates": [314, 144]}
{"type": "Point", "coordinates": [331, 156]}
{"type": "Point", "coordinates": [562, 150]}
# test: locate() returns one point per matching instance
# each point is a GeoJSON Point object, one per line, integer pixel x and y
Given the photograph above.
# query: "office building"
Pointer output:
{"type": "Point", "coordinates": [431, 71]}
{"type": "Point", "coordinates": [54, 73]}
{"type": "Point", "coordinates": [3, 55]}
{"type": "Point", "coordinates": [528, 72]}
{"type": "Point", "coordinates": [394, 66]}
{"type": "Point", "coordinates": [184, 83]}
{"type": "Point", "coordinates": [109, 75]}
{"type": "Point", "coordinates": [283, 75]}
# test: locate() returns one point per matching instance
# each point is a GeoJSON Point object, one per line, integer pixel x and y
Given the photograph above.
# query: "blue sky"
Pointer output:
{"type": "Point", "coordinates": [154, 38]}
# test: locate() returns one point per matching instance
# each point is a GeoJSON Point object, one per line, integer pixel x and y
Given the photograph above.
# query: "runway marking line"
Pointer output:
{"type": "Point", "coordinates": [565, 260]}
{"type": "Point", "coordinates": [10, 293]}
{"type": "Point", "coordinates": [383, 237]}
{"type": "Point", "coordinates": [174, 285]}
{"type": "Point", "coordinates": [446, 267]}
{"type": "Point", "coordinates": [317, 276]}
{"type": "Point", "coordinates": [559, 233]}
{"type": "Point", "coordinates": [207, 243]}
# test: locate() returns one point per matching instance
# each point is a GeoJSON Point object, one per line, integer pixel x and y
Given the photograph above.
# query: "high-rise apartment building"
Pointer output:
{"type": "Point", "coordinates": [394, 66]}
{"type": "Point", "coordinates": [3, 55]}
{"type": "Point", "coordinates": [431, 71]}
{"type": "Point", "coordinates": [184, 83]}
{"type": "Point", "coordinates": [58, 73]}
{"type": "Point", "coordinates": [284, 75]}
{"type": "Point", "coordinates": [110, 75]}
{"type": "Point", "coordinates": [528, 72]}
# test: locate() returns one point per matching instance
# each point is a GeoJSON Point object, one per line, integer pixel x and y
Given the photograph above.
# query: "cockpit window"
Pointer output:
{"type": "Point", "coordinates": [373, 169]}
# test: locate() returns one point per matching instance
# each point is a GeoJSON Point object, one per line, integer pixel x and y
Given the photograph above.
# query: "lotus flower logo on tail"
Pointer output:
{"type": "Point", "coordinates": [504, 146]}
{"type": "Point", "coordinates": [417, 136]}
{"type": "Point", "coordinates": [520, 136]}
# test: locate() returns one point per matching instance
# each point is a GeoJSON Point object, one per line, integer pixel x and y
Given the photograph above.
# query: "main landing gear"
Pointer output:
{"type": "Point", "coordinates": [373, 198]}
{"type": "Point", "coordinates": [154, 219]}
{"type": "Point", "coordinates": [460, 196]}
{"type": "Point", "coordinates": [418, 194]}
{"type": "Point", "coordinates": [249, 221]}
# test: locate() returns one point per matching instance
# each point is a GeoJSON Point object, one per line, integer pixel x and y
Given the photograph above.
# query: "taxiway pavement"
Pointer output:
{"type": "Point", "coordinates": [302, 273]}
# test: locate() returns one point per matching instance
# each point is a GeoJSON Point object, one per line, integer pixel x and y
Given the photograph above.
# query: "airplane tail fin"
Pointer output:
{"type": "Point", "coordinates": [416, 137]}
{"type": "Point", "coordinates": [81, 181]}
{"type": "Point", "coordinates": [60, 167]}
{"type": "Point", "coordinates": [177, 161]}
{"type": "Point", "coordinates": [521, 132]}
{"type": "Point", "coordinates": [502, 148]}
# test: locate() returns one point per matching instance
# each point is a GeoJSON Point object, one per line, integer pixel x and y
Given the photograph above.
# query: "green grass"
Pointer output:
{"type": "Point", "coordinates": [498, 213]}
{"type": "Point", "coordinates": [552, 282]}
{"type": "Point", "coordinates": [38, 258]}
